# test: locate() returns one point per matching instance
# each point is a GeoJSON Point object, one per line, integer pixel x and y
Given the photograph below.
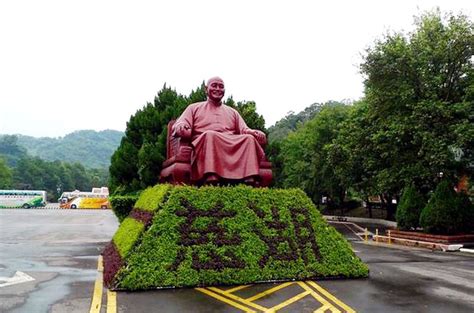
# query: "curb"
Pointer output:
{"type": "Point", "coordinates": [397, 241]}
{"type": "Point", "coordinates": [360, 220]}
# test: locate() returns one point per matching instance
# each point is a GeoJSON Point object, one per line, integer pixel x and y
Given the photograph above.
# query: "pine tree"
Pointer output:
{"type": "Point", "coordinates": [409, 209]}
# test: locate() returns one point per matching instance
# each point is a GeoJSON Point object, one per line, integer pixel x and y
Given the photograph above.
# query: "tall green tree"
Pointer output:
{"type": "Point", "coordinates": [305, 158]}
{"type": "Point", "coordinates": [418, 114]}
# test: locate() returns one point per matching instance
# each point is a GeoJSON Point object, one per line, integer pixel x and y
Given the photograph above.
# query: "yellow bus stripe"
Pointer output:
{"type": "Point", "coordinates": [331, 297]}
{"type": "Point", "coordinates": [269, 291]}
{"type": "Point", "coordinates": [225, 300]}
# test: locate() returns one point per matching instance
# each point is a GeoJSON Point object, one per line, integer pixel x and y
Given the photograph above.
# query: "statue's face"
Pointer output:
{"type": "Point", "coordinates": [216, 90]}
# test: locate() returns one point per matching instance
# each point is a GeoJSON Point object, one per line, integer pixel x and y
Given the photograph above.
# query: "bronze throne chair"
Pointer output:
{"type": "Point", "coordinates": [176, 168]}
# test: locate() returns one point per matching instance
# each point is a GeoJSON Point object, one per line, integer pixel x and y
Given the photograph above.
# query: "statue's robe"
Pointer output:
{"type": "Point", "coordinates": [221, 143]}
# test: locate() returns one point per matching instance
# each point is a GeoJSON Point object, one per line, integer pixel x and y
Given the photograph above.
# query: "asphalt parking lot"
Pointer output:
{"type": "Point", "coordinates": [59, 250]}
{"type": "Point", "coordinates": [58, 253]}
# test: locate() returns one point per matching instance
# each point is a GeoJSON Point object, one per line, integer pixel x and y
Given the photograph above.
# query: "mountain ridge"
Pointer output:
{"type": "Point", "coordinates": [91, 148]}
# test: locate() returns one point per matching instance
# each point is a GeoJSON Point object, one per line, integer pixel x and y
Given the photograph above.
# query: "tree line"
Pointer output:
{"type": "Point", "coordinates": [19, 170]}
{"type": "Point", "coordinates": [413, 127]}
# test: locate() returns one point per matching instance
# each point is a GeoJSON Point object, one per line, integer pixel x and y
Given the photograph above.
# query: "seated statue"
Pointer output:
{"type": "Point", "coordinates": [224, 148]}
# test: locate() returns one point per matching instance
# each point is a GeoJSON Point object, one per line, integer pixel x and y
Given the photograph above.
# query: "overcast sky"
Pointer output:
{"type": "Point", "coordinates": [68, 65]}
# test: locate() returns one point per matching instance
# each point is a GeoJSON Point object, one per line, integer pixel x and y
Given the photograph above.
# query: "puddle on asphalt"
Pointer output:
{"type": "Point", "coordinates": [52, 291]}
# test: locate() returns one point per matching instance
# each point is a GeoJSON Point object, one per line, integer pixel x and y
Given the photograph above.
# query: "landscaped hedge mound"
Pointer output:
{"type": "Point", "coordinates": [131, 229]}
{"type": "Point", "coordinates": [122, 205]}
{"type": "Point", "coordinates": [228, 235]}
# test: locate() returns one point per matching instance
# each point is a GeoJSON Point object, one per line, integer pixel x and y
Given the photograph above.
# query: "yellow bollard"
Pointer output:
{"type": "Point", "coordinates": [389, 238]}
{"type": "Point", "coordinates": [366, 235]}
{"type": "Point", "coordinates": [377, 235]}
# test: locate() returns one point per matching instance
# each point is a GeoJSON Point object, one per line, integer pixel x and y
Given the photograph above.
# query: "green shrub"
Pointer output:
{"type": "Point", "coordinates": [233, 235]}
{"type": "Point", "coordinates": [409, 208]}
{"type": "Point", "coordinates": [466, 208]}
{"type": "Point", "coordinates": [446, 211]}
{"type": "Point", "coordinates": [127, 235]}
{"type": "Point", "coordinates": [122, 205]}
{"type": "Point", "coordinates": [152, 197]}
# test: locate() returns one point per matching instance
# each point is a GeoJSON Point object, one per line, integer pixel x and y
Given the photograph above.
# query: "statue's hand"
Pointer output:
{"type": "Point", "coordinates": [182, 130]}
{"type": "Point", "coordinates": [260, 136]}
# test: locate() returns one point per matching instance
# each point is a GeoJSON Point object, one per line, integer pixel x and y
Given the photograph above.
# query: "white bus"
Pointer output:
{"type": "Point", "coordinates": [22, 198]}
{"type": "Point", "coordinates": [98, 198]}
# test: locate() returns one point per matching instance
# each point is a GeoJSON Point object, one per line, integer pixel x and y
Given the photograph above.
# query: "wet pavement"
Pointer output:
{"type": "Point", "coordinates": [60, 248]}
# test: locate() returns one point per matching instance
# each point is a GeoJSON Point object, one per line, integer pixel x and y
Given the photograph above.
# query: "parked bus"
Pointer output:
{"type": "Point", "coordinates": [22, 198]}
{"type": "Point", "coordinates": [98, 198]}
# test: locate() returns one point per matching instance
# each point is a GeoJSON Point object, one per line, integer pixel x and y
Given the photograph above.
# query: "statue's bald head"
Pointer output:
{"type": "Point", "coordinates": [215, 89]}
{"type": "Point", "coordinates": [214, 79]}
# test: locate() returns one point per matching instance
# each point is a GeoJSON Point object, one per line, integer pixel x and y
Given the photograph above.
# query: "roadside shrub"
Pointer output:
{"type": "Point", "coordinates": [152, 197]}
{"type": "Point", "coordinates": [231, 235]}
{"type": "Point", "coordinates": [409, 208]}
{"type": "Point", "coordinates": [130, 231]}
{"type": "Point", "coordinates": [122, 205]}
{"type": "Point", "coordinates": [466, 208]}
{"type": "Point", "coordinates": [446, 212]}
{"type": "Point", "coordinates": [127, 235]}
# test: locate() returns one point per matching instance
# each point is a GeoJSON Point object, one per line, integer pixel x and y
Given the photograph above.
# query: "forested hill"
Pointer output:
{"type": "Point", "coordinates": [92, 149]}
{"type": "Point", "coordinates": [283, 127]}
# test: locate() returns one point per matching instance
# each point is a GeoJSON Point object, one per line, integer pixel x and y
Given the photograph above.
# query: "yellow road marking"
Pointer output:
{"type": "Point", "coordinates": [322, 309]}
{"type": "Point", "coordinates": [225, 300]}
{"type": "Point", "coordinates": [269, 291]}
{"type": "Point", "coordinates": [97, 296]}
{"type": "Point", "coordinates": [289, 301]}
{"type": "Point", "coordinates": [111, 301]}
{"type": "Point", "coordinates": [318, 297]}
{"type": "Point", "coordinates": [321, 295]}
{"type": "Point", "coordinates": [100, 264]}
{"type": "Point", "coordinates": [237, 288]}
{"type": "Point", "coordinates": [331, 297]}
{"type": "Point", "coordinates": [234, 297]}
